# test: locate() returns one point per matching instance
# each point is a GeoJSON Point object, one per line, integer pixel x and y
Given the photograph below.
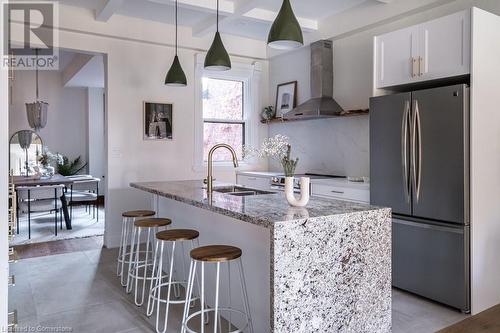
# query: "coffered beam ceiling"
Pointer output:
{"type": "Point", "coordinates": [230, 11]}
{"type": "Point", "coordinates": [107, 9]}
{"type": "Point", "coordinates": [248, 9]}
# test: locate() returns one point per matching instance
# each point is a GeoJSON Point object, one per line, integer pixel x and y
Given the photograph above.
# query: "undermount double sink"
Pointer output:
{"type": "Point", "coordinates": [240, 191]}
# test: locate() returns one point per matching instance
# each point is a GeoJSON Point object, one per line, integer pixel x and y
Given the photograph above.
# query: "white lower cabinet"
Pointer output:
{"type": "Point", "coordinates": [341, 193]}
{"type": "Point", "coordinates": [259, 183]}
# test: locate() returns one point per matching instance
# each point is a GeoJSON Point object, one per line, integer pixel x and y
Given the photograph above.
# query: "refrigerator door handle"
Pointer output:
{"type": "Point", "coordinates": [419, 165]}
{"type": "Point", "coordinates": [413, 152]}
{"type": "Point", "coordinates": [404, 149]}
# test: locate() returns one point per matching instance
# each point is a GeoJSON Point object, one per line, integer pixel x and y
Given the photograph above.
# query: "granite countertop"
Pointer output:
{"type": "Point", "coordinates": [265, 209]}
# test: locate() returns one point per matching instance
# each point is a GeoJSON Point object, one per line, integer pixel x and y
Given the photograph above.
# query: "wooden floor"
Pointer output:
{"type": "Point", "coordinates": [59, 247]}
{"type": "Point", "coordinates": [487, 321]}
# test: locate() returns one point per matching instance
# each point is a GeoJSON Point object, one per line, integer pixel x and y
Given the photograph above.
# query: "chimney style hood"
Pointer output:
{"type": "Point", "coordinates": [321, 104]}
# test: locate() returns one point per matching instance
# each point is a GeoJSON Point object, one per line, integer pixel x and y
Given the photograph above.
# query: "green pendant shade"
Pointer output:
{"type": "Point", "coordinates": [285, 32]}
{"type": "Point", "coordinates": [217, 58]}
{"type": "Point", "coordinates": [175, 76]}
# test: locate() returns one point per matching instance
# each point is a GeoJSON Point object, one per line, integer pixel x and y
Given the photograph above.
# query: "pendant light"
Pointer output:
{"type": "Point", "coordinates": [217, 58]}
{"type": "Point", "coordinates": [175, 76]}
{"type": "Point", "coordinates": [37, 111]}
{"type": "Point", "coordinates": [285, 32]}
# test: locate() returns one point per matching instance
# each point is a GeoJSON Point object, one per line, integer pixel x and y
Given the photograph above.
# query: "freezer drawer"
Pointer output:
{"type": "Point", "coordinates": [432, 261]}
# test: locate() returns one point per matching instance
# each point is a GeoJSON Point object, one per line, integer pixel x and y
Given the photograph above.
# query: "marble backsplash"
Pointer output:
{"type": "Point", "coordinates": [329, 146]}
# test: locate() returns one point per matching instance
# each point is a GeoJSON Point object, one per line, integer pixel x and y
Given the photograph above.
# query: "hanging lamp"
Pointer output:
{"type": "Point", "coordinates": [217, 58]}
{"type": "Point", "coordinates": [285, 32]}
{"type": "Point", "coordinates": [37, 111]}
{"type": "Point", "coordinates": [175, 76]}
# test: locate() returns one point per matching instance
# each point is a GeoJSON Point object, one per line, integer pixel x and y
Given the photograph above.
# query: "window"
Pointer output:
{"type": "Point", "coordinates": [223, 117]}
{"type": "Point", "coordinates": [226, 111]}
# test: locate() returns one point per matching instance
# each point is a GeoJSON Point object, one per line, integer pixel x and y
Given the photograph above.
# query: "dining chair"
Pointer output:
{"type": "Point", "coordinates": [85, 190]}
{"type": "Point", "coordinates": [37, 199]}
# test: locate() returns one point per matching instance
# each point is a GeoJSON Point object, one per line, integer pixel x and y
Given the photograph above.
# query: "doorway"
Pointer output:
{"type": "Point", "coordinates": [58, 168]}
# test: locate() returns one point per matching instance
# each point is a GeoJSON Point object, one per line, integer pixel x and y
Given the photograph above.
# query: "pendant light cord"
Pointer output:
{"type": "Point", "coordinates": [175, 27]}
{"type": "Point", "coordinates": [217, 15]}
{"type": "Point", "coordinates": [36, 72]}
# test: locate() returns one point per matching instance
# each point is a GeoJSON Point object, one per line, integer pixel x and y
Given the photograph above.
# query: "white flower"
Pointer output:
{"type": "Point", "coordinates": [275, 147]}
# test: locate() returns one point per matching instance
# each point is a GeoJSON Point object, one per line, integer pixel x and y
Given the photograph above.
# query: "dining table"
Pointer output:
{"type": "Point", "coordinates": [56, 179]}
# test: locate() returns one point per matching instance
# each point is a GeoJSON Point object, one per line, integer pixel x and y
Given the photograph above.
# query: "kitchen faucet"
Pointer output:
{"type": "Point", "coordinates": [209, 180]}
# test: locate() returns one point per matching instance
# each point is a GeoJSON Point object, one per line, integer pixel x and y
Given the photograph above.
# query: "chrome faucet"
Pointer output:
{"type": "Point", "coordinates": [209, 180]}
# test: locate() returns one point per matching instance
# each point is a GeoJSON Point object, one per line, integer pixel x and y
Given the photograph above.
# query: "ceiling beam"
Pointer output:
{"type": "Point", "coordinates": [247, 9]}
{"type": "Point", "coordinates": [207, 6]}
{"type": "Point", "coordinates": [107, 9]}
{"type": "Point", "coordinates": [208, 25]}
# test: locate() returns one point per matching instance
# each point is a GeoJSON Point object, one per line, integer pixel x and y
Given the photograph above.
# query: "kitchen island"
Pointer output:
{"type": "Point", "coordinates": [323, 268]}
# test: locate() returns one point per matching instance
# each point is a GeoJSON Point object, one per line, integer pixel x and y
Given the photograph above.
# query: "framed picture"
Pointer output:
{"type": "Point", "coordinates": [286, 98]}
{"type": "Point", "coordinates": [157, 121]}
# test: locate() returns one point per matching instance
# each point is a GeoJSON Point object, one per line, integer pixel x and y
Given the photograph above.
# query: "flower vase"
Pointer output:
{"type": "Point", "coordinates": [304, 191]}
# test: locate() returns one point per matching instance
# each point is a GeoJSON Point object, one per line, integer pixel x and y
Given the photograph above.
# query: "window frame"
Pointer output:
{"type": "Point", "coordinates": [249, 74]}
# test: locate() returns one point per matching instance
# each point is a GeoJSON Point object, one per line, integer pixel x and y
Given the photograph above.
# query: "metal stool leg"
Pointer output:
{"type": "Point", "coordinates": [245, 295]}
{"type": "Point", "coordinates": [132, 251]}
{"type": "Point", "coordinates": [153, 291]}
{"type": "Point", "coordinates": [146, 260]}
{"type": "Point", "coordinates": [120, 249]}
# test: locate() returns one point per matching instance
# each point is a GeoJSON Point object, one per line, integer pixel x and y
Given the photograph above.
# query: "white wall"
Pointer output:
{"type": "Point", "coordinates": [96, 149]}
{"type": "Point", "coordinates": [329, 146]}
{"type": "Point", "coordinates": [137, 59]}
{"type": "Point", "coordinates": [341, 146]}
{"type": "Point", "coordinates": [66, 130]}
{"type": "Point", "coordinates": [4, 186]}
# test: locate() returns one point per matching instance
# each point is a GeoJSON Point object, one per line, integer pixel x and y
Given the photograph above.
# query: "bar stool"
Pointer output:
{"type": "Point", "coordinates": [173, 236]}
{"type": "Point", "coordinates": [136, 264]}
{"type": "Point", "coordinates": [123, 255]}
{"type": "Point", "coordinates": [216, 254]}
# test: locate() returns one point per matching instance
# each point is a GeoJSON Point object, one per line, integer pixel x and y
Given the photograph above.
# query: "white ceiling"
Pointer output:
{"type": "Point", "coordinates": [248, 18]}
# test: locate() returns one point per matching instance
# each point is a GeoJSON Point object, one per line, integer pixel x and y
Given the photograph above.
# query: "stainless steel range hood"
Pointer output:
{"type": "Point", "coordinates": [321, 104]}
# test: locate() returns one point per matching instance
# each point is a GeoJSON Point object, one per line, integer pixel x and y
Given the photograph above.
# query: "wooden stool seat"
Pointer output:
{"type": "Point", "coordinates": [139, 213]}
{"type": "Point", "coordinates": [216, 253]}
{"type": "Point", "coordinates": [177, 235]}
{"type": "Point", "coordinates": [152, 222]}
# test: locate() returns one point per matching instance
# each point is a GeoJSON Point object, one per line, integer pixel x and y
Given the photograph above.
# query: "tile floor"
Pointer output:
{"type": "Point", "coordinates": [80, 290]}
{"type": "Point", "coordinates": [42, 227]}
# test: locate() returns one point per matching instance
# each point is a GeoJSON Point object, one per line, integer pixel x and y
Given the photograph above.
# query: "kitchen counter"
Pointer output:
{"type": "Point", "coordinates": [328, 265]}
{"type": "Point", "coordinates": [265, 210]}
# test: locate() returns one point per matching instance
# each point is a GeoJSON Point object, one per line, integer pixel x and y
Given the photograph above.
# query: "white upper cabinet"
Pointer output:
{"type": "Point", "coordinates": [445, 46]}
{"type": "Point", "coordinates": [396, 56]}
{"type": "Point", "coordinates": [432, 50]}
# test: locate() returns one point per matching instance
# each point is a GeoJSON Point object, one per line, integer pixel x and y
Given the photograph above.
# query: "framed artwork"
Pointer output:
{"type": "Point", "coordinates": [286, 98]}
{"type": "Point", "coordinates": [157, 121]}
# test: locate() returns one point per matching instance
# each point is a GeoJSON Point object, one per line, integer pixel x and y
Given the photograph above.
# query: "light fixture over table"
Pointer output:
{"type": "Point", "coordinates": [285, 32]}
{"type": "Point", "coordinates": [37, 111]}
{"type": "Point", "coordinates": [175, 76]}
{"type": "Point", "coordinates": [217, 58]}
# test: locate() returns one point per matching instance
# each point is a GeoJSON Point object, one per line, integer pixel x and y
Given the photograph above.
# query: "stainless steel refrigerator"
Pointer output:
{"type": "Point", "coordinates": [419, 166]}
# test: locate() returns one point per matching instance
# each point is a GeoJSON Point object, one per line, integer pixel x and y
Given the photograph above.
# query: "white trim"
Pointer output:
{"type": "Point", "coordinates": [250, 75]}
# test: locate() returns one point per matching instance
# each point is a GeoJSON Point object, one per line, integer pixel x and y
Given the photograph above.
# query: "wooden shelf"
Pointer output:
{"type": "Point", "coordinates": [348, 113]}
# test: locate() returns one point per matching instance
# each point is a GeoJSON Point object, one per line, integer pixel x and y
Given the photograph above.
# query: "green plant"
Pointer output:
{"type": "Point", "coordinates": [288, 164]}
{"type": "Point", "coordinates": [70, 168]}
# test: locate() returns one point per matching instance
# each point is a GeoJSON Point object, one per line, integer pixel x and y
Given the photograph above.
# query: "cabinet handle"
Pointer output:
{"type": "Point", "coordinates": [252, 178]}
{"type": "Point", "coordinates": [338, 192]}
{"type": "Point", "coordinates": [414, 64]}
{"type": "Point", "coordinates": [420, 66]}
